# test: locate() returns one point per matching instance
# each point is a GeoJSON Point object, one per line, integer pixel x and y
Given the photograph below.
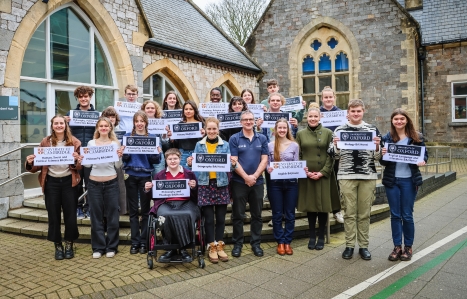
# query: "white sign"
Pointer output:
{"type": "Point", "coordinates": [229, 120]}
{"type": "Point", "coordinates": [356, 140]}
{"type": "Point", "coordinates": [156, 126]}
{"type": "Point", "coordinates": [288, 170]}
{"type": "Point", "coordinates": [211, 162]}
{"type": "Point", "coordinates": [257, 109]}
{"type": "Point", "coordinates": [127, 108]}
{"type": "Point", "coordinates": [172, 116]}
{"type": "Point", "coordinates": [212, 109]}
{"type": "Point", "coordinates": [333, 118]}
{"type": "Point", "coordinates": [410, 154]}
{"type": "Point", "coordinates": [292, 104]}
{"type": "Point", "coordinates": [59, 155]}
{"type": "Point", "coordinates": [170, 188]}
{"type": "Point", "coordinates": [99, 154]}
{"type": "Point", "coordinates": [140, 145]}
{"type": "Point", "coordinates": [84, 118]}
{"type": "Point", "coordinates": [186, 130]}
{"type": "Point", "coordinates": [270, 118]}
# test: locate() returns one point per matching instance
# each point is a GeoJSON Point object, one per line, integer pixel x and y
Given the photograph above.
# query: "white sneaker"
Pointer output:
{"type": "Point", "coordinates": [96, 255]}
{"type": "Point", "coordinates": [339, 218]}
{"type": "Point", "coordinates": [110, 254]}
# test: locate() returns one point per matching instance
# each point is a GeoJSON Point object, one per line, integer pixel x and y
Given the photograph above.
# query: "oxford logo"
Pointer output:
{"type": "Point", "coordinates": [392, 148]}
{"type": "Point", "coordinates": [200, 158]}
{"type": "Point", "coordinates": [76, 114]}
{"type": "Point", "coordinates": [163, 114]}
{"type": "Point", "coordinates": [221, 117]}
{"type": "Point", "coordinates": [160, 185]}
{"type": "Point", "coordinates": [176, 128]}
{"type": "Point", "coordinates": [267, 116]}
{"type": "Point", "coordinates": [130, 141]}
{"type": "Point", "coordinates": [345, 136]}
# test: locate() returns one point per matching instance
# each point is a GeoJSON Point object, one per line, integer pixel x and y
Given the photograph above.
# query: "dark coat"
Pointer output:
{"type": "Point", "coordinates": [389, 175]}
{"type": "Point", "coordinates": [162, 175]}
{"type": "Point", "coordinates": [321, 195]}
{"type": "Point", "coordinates": [83, 133]}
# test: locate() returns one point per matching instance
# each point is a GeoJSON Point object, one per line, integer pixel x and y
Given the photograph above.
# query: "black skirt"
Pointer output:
{"type": "Point", "coordinates": [179, 223]}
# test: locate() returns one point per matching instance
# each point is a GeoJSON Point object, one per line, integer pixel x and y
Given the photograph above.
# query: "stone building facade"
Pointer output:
{"type": "Point", "coordinates": [47, 49]}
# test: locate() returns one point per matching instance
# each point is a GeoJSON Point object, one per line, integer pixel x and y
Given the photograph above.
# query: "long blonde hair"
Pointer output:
{"type": "Point", "coordinates": [277, 154]}
{"type": "Point", "coordinates": [68, 135]}
{"type": "Point", "coordinates": [112, 135]}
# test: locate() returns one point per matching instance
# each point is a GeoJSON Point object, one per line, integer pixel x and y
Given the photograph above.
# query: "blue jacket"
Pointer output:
{"type": "Point", "coordinates": [203, 177]}
{"type": "Point", "coordinates": [389, 175]}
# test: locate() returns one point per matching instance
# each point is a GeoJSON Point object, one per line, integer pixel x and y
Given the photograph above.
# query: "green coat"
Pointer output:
{"type": "Point", "coordinates": [321, 195]}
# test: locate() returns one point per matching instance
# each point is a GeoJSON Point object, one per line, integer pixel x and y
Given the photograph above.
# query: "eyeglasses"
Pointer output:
{"type": "Point", "coordinates": [248, 120]}
{"type": "Point", "coordinates": [131, 94]}
{"type": "Point", "coordinates": [172, 159]}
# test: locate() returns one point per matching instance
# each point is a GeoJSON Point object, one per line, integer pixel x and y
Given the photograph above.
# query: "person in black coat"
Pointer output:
{"type": "Point", "coordinates": [401, 181]}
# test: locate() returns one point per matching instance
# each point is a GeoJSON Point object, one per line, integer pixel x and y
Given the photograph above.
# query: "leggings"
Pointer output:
{"type": "Point", "coordinates": [216, 230]}
{"type": "Point", "coordinates": [322, 220]}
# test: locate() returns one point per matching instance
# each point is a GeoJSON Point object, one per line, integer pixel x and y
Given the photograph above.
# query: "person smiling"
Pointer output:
{"type": "Point", "coordinates": [153, 110]}
{"type": "Point", "coordinates": [401, 181]}
{"type": "Point", "coordinates": [247, 96]}
{"type": "Point", "coordinates": [58, 184]}
{"type": "Point", "coordinates": [237, 104]}
{"type": "Point", "coordinates": [171, 101]}
{"type": "Point", "coordinates": [103, 190]}
{"type": "Point", "coordinates": [215, 95]}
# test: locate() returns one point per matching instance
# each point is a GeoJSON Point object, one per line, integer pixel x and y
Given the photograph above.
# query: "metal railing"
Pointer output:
{"type": "Point", "coordinates": [22, 146]}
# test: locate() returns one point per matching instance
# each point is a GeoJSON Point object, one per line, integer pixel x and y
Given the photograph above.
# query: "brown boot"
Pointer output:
{"type": "Point", "coordinates": [220, 251]}
{"type": "Point", "coordinates": [280, 249]}
{"type": "Point", "coordinates": [212, 255]}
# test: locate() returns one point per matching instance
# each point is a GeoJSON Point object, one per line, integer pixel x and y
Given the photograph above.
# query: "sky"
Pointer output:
{"type": "Point", "coordinates": [202, 3]}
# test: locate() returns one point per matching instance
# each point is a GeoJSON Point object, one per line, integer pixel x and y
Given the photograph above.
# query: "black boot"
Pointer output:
{"type": "Point", "coordinates": [69, 254]}
{"type": "Point", "coordinates": [322, 221]}
{"type": "Point", "coordinates": [59, 251]}
{"type": "Point", "coordinates": [311, 225]}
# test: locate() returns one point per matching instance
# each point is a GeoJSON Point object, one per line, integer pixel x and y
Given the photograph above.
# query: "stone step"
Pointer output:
{"type": "Point", "coordinates": [26, 224]}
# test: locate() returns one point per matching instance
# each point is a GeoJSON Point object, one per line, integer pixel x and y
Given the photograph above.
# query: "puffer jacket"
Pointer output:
{"type": "Point", "coordinates": [82, 133]}
{"type": "Point", "coordinates": [389, 175]}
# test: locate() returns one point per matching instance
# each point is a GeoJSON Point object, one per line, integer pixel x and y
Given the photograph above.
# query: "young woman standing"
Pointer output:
{"type": "Point", "coordinates": [237, 104]}
{"type": "Point", "coordinates": [171, 101]}
{"type": "Point", "coordinates": [103, 192]}
{"type": "Point", "coordinates": [317, 194]}
{"type": "Point", "coordinates": [401, 181]}
{"type": "Point", "coordinates": [139, 168]}
{"type": "Point", "coordinates": [283, 193]}
{"type": "Point", "coordinates": [153, 110]}
{"type": "Point", "coordinates": [58, 184]}
{"type": "Point", "coordinates": [247, 96]}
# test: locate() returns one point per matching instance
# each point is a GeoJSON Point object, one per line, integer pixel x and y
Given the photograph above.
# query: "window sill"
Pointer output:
{"type": "Point", "coordinates": [457, 124]}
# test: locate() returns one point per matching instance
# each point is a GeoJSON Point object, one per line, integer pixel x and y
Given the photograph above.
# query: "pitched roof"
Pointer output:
{"type": "Point", "coordinates": [441, 21]}
{"type": "Point", "coordinates": [182, 26]}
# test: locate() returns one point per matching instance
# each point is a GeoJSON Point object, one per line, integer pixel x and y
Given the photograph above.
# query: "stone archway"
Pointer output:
{"type": "Point", "coordinates": [308, 29]}
{"type": "Point", "coordinates": [103, 22]}
{"type": "Point", "coordinates": [229, 81]}
{"type": "Point", "coordinates": [176, 76]}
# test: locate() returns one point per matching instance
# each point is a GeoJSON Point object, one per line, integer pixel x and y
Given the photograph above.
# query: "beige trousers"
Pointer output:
{"type": "Point", "coordinates": [357, 197]}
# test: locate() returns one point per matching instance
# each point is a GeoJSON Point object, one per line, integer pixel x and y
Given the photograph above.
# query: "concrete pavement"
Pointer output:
{"type": "Point", "coordinates": [28, 269]}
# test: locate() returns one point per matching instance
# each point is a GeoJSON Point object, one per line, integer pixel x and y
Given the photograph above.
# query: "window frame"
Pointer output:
{"type": "Point", "coordinates": [453, 103]}
{"type": "Point", "coordinates": [150, 96]}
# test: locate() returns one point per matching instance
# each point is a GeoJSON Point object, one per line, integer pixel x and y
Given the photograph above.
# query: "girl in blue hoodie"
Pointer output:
{"type": "Point", "coordinates": [138, 167]}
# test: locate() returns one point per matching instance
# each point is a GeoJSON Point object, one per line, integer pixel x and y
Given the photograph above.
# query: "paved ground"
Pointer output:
{"type": "Point", "coordinates": [28, 269]}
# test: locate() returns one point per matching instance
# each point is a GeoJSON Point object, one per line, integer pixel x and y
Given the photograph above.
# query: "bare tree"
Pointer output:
{"type": "Point", "coordinates": [237, 17]}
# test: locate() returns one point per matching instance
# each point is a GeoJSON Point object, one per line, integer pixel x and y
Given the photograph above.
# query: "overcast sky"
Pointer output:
{"type": "Point", "coordinates": [202, 3]}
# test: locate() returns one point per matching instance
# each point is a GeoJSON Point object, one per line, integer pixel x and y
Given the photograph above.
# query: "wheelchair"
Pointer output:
{"type": "Point", "coordinates": [155, 243]}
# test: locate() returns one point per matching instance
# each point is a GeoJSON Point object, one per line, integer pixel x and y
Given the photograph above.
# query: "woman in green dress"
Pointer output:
{"type": "Point", "coordinates": [317, 194]}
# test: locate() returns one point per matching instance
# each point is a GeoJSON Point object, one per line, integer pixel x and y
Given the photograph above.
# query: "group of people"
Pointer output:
{"type": "Point", "coordinates": [335, 178]}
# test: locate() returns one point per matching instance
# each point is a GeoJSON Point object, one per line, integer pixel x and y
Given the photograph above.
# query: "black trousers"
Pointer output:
{"type": "Point", "coordinates": [134, 191]}
{"type": "Point", "coordinates": [242, 194]}
{"type": "Point", "coordinates": [103, 200]}
{"type": "Point", "coordinates": [214, 231]}
{"type": "Point", "coordinates": [60, 195]}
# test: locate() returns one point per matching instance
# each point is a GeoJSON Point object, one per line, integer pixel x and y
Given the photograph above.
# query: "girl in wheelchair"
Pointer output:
{"type": "Point", "coordinates": [179, 213]}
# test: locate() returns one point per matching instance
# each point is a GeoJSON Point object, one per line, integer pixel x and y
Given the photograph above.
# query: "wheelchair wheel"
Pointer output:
{"type": "Point", "coordinates": [201, 236]}
{"type": "Point", "coordinates": [150, 262]}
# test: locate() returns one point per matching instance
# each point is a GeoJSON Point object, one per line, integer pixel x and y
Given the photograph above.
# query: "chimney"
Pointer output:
{"type": "Point", "coordinates": [413, 4]}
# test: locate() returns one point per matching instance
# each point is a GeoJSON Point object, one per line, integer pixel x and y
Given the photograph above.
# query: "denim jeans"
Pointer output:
{"type": "Point", "coordinates": [103, 200]}
{"type": "Point", "coordinates": [283, 198]}
{"type": "Point", "coordinates": [401, 198]}
{"type": "Point", "coordinates": [134, 191]}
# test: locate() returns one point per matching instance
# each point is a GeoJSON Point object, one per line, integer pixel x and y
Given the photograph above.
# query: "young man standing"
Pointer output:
{"type": "Point", "coordinates": [83, 133]}
{"type": "Point", "coordinates": [131, 95]}
{"type": "Point", "coordinates": [250, 150]}
{"type": "Point", "coordinates": [357, 180]}
{"type": "Point", "coordinates": [272, 86]}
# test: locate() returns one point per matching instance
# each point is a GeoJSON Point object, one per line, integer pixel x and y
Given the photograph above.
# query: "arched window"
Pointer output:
{"type": "Point", "coordinates": [325, 64]}
{"type": "Point", "coordinates": [226, 93]}
{"type": "Point", "coordinates": [65, 51]}
{"type": "Point", "coordinates": [155, 88]}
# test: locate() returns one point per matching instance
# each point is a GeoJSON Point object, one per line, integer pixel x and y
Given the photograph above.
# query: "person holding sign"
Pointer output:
{"type": "Point", "coordinates": [103, 193]}
{"type": "Point", "coordinates": [248, 96]}
{"type": "Point", "coordinates": [213, 191]}
{"type": "Point", "coordinates": [113, 116]}
{"type": "Point", "coordinates": [357, 179]}
{"type": "Point", "coordinates": [171, 101]}
{"type": "Point", "coordinates": [187, 145]}
{"type": "Point", "coordinates": [272, 86]}
{"type": "Point", "coordinates": [250, 150]}
{"type": "Point", "coordinates": [58, 184]}
{"type": "Point", "coordinates": [317, 194]}
{"type": "Point", "coordinates": [328, 98]}
{"type": "Point", "coordinates": [153, 111]}
{"type": "Point", "coordinates": [237, 104]}
{"type": "Point", "coordinates": [215, 96]}
{"type": "Point", "coordinates": [401, 181]}
{"type": "Point", "coordinates": [179, 213]}
{"type": "Point", "coordinates": [131, 96]}
{"type": "Point", "coordinates": [139, 168]}
{"type": "Point", "coordinates": [283, 192]}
